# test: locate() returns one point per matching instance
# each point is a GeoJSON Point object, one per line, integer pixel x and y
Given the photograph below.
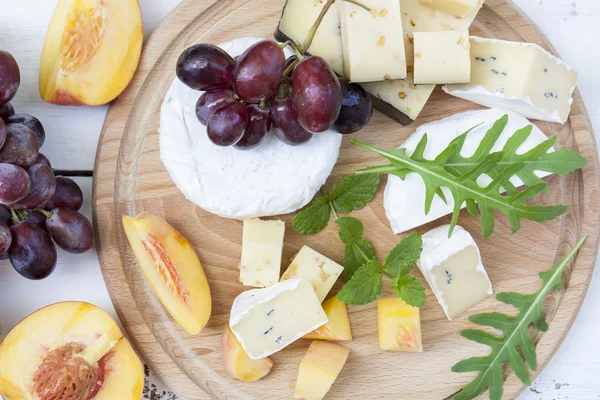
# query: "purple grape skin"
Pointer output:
{"type": "Point", "coordinates": [3, 133]}
{"type": "Point", "coordinates": [205, 67]}
{"type": "Point", "coordinates": [5, 238]}
{"type": "Point", "coordinates": [43, 186]}
{"type": "Point", "coordinates": [15, 183]}
{"type": "Point", "coordinates": [227, 125]}
{"type": "Point", "coordinates": [357, 108]}
{"type": "Point", "coordinates": [37, 218]}
{"type": "Point", "coordinates": [259, 123]}
{"type": "Point", "coordinates": [68, 194]}
{"type": "Point", "coordinates": [257, 72]}
{"type": "Point", "coordinates": [70, 230]}
{"type": "Point", "coordinates": [316, 94]}
{"type": "Point", "coordinates": [10, 77]}
{"type": "Point", "coordinates": [21, 146]}
{"type": "Point", "coordinates": [41, 160]}
{"type": "Point", "coordinates": [210, 102]}
{"type": "Point", "coordinates": [32, 123]}
{"type": "Point", "coordinates": [285, 123]}
{"type": "Point", "coordinates": [5, 215]}
{"type": "Point", "coordinates": [6, 111]}
{"type": "Point", "coordinates": [32, 253]}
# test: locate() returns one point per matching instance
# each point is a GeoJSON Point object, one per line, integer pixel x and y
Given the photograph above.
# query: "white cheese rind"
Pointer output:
{"type": "Point", "coordinates": [404, 200]}
{"type": "Point", "coordinates": [442, 57]}
{"type": "Point", "coordinates": [538, 86]}
{"type": "Point", "coordinates": [266, 320]}
{"type": "Point", "coordinates": [262, 245]}
{"type": "Point", "coordinates": [321, 271]}
{"type": "Point", "coordinates": [458, 8]}
{"type": "Point", "coordinates": [271, 179]}
{"type": "Point", "coordinates": [438, 248]}
{"type": "Point", "coordinates": [372, 43]}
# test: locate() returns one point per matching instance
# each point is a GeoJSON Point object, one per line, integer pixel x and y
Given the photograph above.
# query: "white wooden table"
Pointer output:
{"type": "Point", "coordinates": [72, 135]}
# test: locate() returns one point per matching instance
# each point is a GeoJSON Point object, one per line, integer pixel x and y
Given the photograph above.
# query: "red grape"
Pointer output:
{"type": "Point", "coordinates": [41, 160]}
{"type": "Point", "coordinates": [6, 111]}
{"type": "Point", "coordinates": [257, 129]}
{"type": "Point", "coordinates": [15, 183]}
{"type": "Point", "coordinates": [21, 146]}
{"type": "Point", "coordinates": [316, 94]}
{"type": "Point", "coordinates": [5, 215]}
{"type": "Point", "coordinates": [3, 133]}
{"type": "Point", "coordinates": [227, 125]}
{"type": "Point", "coordinates": [10, 77]}
{"type": "Point", "coordinates": [5, 238]}
{"type": "Point", "coordinates": [32, 123]}
{"type": "Point", "coordinates": [357, 108]}
{"type": "Point", "coordinates": [210, 102]}
{"type": "Point", "coordinates": [205, 67]}
{"type": "Point", "coordinates": [286, 125]}
{"type": "Point", "coordinates": [37, 218]}
{"type": "Point", "coordinates": [43, 186]}
{"type": "Point", "coordinates": [68, 194]}
{"type": "Point", "coordinates": [70, 230]}
{"type": "Point", "coordinates": [257, 72]}
{"type": "Point", "coordinates": [32, 253]}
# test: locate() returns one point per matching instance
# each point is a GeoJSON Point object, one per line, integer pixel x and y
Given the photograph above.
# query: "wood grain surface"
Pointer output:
{"type": "Point", "coordinates": [131, 179]}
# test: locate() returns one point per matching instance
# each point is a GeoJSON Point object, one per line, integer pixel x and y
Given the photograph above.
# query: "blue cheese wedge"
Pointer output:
{"type": "Point", "coordinates": [453, 269]}
{"type": "Point", "coordinates": [538, 86]}
{"type": "Point", "coordinates": [318, 269]}
{"type": "Point", "coordinates": [442, 57]}
{"type": "Point", "coordinates": [265, 321]}
{"type": "Point", "coordinates": [458, 8]}
{"type": "Point", "coordinates": [262, 245]}
{"type": "Point", "coordinates": [372, 45]}
{"type": "Point", "coordinates": [404, 200]}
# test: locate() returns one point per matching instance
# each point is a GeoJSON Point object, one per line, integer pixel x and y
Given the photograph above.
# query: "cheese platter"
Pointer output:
{"type": "Point", "coordinates": [400, 270]}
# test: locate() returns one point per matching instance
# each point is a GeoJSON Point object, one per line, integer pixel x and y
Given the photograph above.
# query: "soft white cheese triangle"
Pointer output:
{"type": "Point", "coordinates": [404, 200]}
{"type": "Point", "coordinates": [271, 179]}
{"type": "Point", "coordinates": [453, 269]}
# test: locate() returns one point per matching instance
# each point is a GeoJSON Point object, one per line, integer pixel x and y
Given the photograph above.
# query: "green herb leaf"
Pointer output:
{"type": "Point", "coordinates": [358, 250]}
{"type": "Point", "coordinates": [515, 335]}
{"type": "Point", "coordinates": [404, 256]}
{"type": "Point", "coordinates": [364, 287]}
{"type": "Point", "coordinates": [409, 289]}
{"type": "Point", "coordinates": [313, 219]}
{"type": "Point", "coordinates": [459, 174]}
{"type": "Point", "coordinates": [354, 192]}
{"type": "Point", "coordinates": [350, 229]}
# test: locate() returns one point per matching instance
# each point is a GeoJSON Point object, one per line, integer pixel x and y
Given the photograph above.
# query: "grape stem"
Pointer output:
{"type": "Point", "coordinates": [285, 44]}
{"type": "Point", "coordinates": [15, 217]}
{"type": "Point", "coordinates": [48, 214]}
{"type": "Point", "coordinates": [290, 68]}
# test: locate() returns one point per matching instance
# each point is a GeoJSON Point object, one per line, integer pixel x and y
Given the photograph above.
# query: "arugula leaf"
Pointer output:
{"type": "Point", "coordinates": [364, 287]}
{"type": "Point", "coordinates": [354, 192]}
{"type": "Point", "coordinates": [313, 219]}
{"type": "Point", "coordinates": [401, 260]}
{"type": "Point", "coordinates": [409, 289]}
{"type": "Point", "coordinates": [459, 174]}
{"type": "Point", "coordinates": [515, 335]}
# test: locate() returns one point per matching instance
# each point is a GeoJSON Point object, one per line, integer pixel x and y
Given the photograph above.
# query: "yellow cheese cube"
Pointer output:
{"type": "Point", "coordinates": [458, 8]}
{"type": "Point", "coordinates": [338, 327]}
{"type": "Point", "coordinates": [262, 245]}
{"type": "Point", "coordinates": [319, 369]}
{"type": "Point", "coordinates": [399, 326]}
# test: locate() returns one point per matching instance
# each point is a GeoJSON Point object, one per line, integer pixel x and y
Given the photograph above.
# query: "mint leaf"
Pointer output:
{"type": "Point", "coordinates": [350, 229]}
{"type": "Point", "coordinates": [313, 219]}
{"type": "Point", "coordinates": [404, 256]}
{"type": "Point", "coordinates": [352, 262]}
{"type": "Point", "coordinates": [358, 250]}
{"type": "Point", "coordinates": [364, 287]}
{"type": "Point", "coordinates": [353, 192]}
{"type": "Point", "coordinates": [409, 289]}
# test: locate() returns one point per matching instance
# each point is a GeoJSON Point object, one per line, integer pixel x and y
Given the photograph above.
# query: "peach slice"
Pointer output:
{"type": "Point", "coordinates": [237, 362]}
{"type": "Point", "coordinates": [172, 269]}
{"type": "Point", "coordinates": [399, 326]}
{"type": "Point", "coordinates": [69, 350]}
{"type": "Point", "coordinates": [91, 51]}
{"type": "Point", "coordinates": [319, 369]}
{"type": "Point", "coordinates": [338, 327]}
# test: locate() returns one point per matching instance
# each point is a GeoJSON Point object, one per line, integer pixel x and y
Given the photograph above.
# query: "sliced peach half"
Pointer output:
{"type": "Point", "coordinates": [91, 51]}
{"type": "Point", "coordinates": [69, 350]}
{"type": "Point", "coordinates": [319, 368]}
{"type": "Point", "coordinates": [238, 364]}
{"type": "Point", "coordinates": [338, 327]}
{"type": "Point", "coordinates": [172, 269]}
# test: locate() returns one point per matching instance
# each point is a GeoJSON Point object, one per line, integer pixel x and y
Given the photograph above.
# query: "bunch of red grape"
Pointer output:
{"type": "Point", "coordinates": [247, 95]}
{"type": "Point", "coordinates": [35, 206]}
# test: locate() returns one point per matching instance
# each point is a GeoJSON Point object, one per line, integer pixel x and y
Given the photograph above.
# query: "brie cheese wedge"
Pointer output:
{"type": "Point", "coordinates": [271, 179]}
{"type": "Point", "coordinates": [453, 269]}
{"type": "Point", "coordinates": [404, 200]}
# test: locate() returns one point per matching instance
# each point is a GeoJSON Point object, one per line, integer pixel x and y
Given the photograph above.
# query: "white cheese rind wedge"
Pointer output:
{"type": "Point", "coordinates": [442, 57]}
{"type": "Point", "coordinates": [265, 321]}
{"type": "Point", "coordinates": [262, 245]}
{"type": "Point", "coordinates": [538, 85]}
{"type": "Point", "coordinates": [298, 16]}
{"type": "Point", "coordinates": [404, 200]}
{"type": "Point", "coordinates": [458, 8]}
{"type": "Point", "coordinates": [372, 43]}
{"type": "Point", "coordinates": [453, 269]}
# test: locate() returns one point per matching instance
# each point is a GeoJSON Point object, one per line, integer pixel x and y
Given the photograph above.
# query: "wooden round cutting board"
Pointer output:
{"type": "Point", "coordinates": [130, 179]}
